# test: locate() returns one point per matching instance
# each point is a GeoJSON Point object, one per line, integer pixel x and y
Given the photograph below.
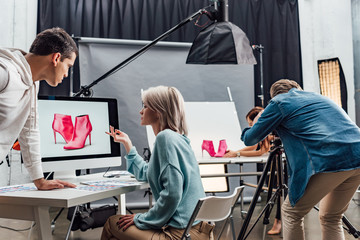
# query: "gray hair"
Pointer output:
{"type": "Point", "coordinates": [283, 86]}
{"type": "Point", "coordinates": [169, 103]}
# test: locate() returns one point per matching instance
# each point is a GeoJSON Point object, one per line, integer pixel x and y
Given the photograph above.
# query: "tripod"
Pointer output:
{"type": "Point", "coordinates": [274, 164]}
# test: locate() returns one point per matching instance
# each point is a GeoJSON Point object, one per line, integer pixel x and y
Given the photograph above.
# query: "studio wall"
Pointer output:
{"type": "Point", "coordinates": [18, 23]}
{"type": "Point", "coordinates": [326, 32]}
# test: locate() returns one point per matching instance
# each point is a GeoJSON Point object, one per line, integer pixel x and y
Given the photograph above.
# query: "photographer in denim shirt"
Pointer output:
{"type": "Point", "coordinates": [322, 146]}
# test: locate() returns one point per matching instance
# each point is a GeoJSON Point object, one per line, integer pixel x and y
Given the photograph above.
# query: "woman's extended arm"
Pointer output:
{"type": "Point", "coordinates": [230, 153]}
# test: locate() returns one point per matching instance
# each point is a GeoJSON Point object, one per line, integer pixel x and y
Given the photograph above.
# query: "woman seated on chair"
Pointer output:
{"type": "Point", "coordinates": [258, 150]}
{"type": "Point", "coordinates": [172, 173]}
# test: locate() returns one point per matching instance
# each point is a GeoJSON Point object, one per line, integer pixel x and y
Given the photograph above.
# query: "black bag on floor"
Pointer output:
{"type": "Point", "coordinates": [86, 218]}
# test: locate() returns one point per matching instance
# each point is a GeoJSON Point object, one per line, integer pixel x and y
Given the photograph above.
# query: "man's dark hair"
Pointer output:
{"type": "Point", "coordinates": [54, 40]}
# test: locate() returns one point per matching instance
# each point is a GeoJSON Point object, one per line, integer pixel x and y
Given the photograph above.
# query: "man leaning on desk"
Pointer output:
{"type": "Point", "coordinates": [51, 55]}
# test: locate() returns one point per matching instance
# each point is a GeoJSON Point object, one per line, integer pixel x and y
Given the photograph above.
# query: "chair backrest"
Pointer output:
{"type": "Point", "coordinates": [213, 209]}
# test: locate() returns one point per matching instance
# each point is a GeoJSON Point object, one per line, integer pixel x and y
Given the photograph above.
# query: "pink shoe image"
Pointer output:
{"type": "Point", "coordinates": [82, 129]}
{"type": "Point", "coordinates": [63, 125]}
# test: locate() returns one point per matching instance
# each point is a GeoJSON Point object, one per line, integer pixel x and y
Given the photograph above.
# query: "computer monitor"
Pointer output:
{"type": "Point", "coordinates": [61, 118]}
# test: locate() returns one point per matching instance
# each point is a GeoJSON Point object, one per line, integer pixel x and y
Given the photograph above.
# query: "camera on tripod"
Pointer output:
{"type": "Point", "coordinates": [276, 141]}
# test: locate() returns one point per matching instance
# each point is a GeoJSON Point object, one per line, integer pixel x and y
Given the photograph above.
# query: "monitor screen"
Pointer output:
{"type": "Point", "coordinates": [72, 133]}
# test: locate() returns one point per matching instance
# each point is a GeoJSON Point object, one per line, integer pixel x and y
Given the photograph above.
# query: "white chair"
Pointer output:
{"type": "Point", "coordinates": [214, 209]}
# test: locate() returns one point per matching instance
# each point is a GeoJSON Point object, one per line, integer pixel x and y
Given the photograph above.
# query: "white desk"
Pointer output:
{"type": "Point", "coordinates": [236, 160]}
{"type": "Point", "coordinates": [34, 205]}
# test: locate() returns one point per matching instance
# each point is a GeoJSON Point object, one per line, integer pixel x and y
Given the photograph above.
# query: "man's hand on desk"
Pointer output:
{"type": "Point", "coordinates": [43, 184]}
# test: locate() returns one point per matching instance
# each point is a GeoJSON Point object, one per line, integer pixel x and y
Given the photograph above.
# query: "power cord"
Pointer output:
{"type": "Point", "coordinates": [18, 230]}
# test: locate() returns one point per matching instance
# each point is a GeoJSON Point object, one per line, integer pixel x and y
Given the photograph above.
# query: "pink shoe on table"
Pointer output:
{"type": "Point", "coordinates": [208, 146]}
{"type": "Point", "coordinates": [222, 148]}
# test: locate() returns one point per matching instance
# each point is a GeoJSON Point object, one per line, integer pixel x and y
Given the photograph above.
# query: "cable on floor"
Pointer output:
{"type": "Point", "coordinates": [18, 230]}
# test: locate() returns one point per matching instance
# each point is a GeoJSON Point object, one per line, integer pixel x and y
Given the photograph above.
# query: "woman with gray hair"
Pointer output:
{"type": "Point", "coordinates": [322, 146]}
{"type": "Point", "coordinates": [172, 173]}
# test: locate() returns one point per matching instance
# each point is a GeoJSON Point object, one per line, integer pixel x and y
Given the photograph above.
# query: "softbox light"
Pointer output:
{"type": "Point", "coordinates": [221, 43]}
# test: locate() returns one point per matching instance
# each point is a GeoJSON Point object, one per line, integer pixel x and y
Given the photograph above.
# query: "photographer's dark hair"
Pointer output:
{"type": "Point", "coordinates": [54, 40]}
{"type": "Point", "coordinates": [283, 86]}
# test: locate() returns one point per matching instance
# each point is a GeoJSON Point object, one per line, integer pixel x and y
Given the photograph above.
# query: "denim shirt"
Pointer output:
{"type": "Point", "coordinates": [174, 178]}
{"type": "Point", "coordinates": [317, 135]}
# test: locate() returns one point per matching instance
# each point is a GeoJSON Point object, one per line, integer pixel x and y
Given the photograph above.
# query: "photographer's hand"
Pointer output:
{"type": "Point", "coordinates": [125, 221]}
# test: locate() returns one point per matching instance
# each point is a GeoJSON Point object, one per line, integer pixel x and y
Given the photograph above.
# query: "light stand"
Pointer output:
{"type": "Point", "coordinates": [260, 48]}
{"type": "Point", "coordinates": [85, 90]}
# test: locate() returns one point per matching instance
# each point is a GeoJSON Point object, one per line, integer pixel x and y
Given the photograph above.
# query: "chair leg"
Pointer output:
{"type": "Point", "coordinates": [232, 227]}
{"type": "Point", "coordinates": [223, 228]}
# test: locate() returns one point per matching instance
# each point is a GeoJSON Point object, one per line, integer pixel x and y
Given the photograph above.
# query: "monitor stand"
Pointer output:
{"type": "Point", "coordinates": [65, 175]}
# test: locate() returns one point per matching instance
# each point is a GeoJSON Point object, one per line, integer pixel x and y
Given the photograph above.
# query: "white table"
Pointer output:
{"type": "Point", "coordinates": [34, 205]}
{"type": "Point", "coordinates": [236, 160]}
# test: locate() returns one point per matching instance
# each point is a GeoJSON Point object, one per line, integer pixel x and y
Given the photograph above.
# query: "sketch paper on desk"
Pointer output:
{"type": "Point", "coordinates": [114, 182]}
{"type": "Point", "coordinates": [105, 184]}
{"type": "Point", "coordinates": [117, 174]}
{"type": "Point", "coordinates": [95, 188]}
{"type": "Point", "coordinates": [16, 188]}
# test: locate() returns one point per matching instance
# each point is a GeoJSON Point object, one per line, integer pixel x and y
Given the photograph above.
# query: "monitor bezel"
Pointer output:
{"type": "Point", "coordinates": [113, 121]}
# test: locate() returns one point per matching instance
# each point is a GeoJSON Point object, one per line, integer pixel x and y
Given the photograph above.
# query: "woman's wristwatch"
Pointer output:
{"type": "Point", "coordinates": [238, 154]}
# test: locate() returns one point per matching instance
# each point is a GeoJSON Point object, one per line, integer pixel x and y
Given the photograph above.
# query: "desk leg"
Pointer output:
{"type": "Point", "coordinates": [122, 205]}
{"type": "Point", "coordinates": [42, 219]}
{"type": "Point", "coordinates": [242, 211]}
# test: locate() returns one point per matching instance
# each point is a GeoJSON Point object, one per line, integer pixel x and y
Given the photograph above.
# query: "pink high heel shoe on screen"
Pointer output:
{"type": "Point", "coordinates": [64, 126]}
{"type": "Point", "coordinates": [222, 148]}
{"type": "Point", "coordinates": [82, 129]}
{"type": "Point", "coordinates": [208, 146]}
